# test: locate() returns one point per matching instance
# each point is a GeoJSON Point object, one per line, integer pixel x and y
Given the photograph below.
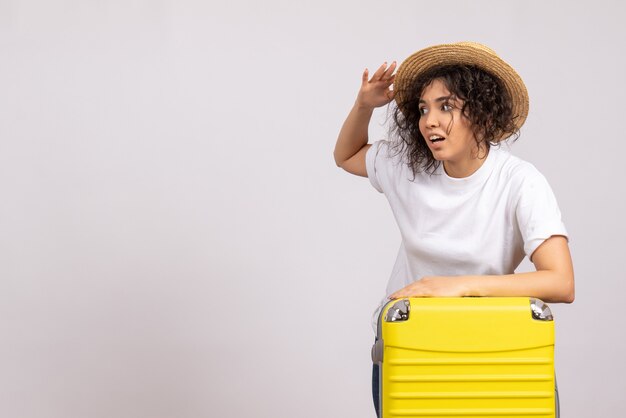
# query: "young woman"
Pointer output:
{"type": "Point", "coordinates": [468, 211]}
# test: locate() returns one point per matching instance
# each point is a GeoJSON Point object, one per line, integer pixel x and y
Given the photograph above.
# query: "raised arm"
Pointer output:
{"type": "Point", "coordinates": [352, 141]}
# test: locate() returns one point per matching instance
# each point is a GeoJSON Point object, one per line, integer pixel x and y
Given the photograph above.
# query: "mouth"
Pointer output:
{"type": "Point", "coordinates": [435, 138]}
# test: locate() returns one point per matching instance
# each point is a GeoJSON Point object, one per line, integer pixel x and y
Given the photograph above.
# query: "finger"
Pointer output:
{"type": "Point", "coordinates": [389, 81]}
{"type": "Point", "coordinates": [378, 74]}
{"type": "Point", "coordinates": [364, 77]}
{"type": "Point", "coordinates": [388, 74]}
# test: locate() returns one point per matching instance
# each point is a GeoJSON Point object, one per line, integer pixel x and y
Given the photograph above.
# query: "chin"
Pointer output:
{"type": "Point", "coordinates": [439, 156]}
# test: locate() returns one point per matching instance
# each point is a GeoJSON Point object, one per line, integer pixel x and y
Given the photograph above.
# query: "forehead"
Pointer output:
{"type": "Point", "coordinates": [434, 90]}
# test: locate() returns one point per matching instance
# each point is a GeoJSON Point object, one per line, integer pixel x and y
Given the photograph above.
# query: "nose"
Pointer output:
{"type": "Point", "coordinates": [431, 121]}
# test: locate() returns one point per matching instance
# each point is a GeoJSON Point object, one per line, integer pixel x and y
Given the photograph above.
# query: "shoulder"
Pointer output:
{"type": "Point", "coordinates": [383, 150]}
{"type": "Point", "coordinates": [520, 180]}
{"type": "Point", "coordinates": [516, 171]}
{"type": "Point", "coordinates": [383, 155]}
{"type": "Point", "coordinates": [387, 167]}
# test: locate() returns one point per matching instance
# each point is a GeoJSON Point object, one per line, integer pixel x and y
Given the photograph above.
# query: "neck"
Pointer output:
{"type": "Point", "coordinates": [467, 166]}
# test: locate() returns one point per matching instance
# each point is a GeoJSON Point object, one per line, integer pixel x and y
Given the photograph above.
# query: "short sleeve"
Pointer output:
{"type": "Point", "coordinates": [537, 211]}
{"type": "Point", "coordinates": [375, 161]}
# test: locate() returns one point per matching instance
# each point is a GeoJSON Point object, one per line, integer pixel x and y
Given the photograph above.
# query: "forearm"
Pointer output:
{"type": "Point", "coordinates": [354, 133]}
{"type": "Point", "coordinates": [549, 286]}
{"type": "Point", "coordinates": [552, 282]}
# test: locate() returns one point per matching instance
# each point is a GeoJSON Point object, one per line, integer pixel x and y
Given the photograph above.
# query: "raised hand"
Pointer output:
{"type": "Point", "coordinates": [375, 92]}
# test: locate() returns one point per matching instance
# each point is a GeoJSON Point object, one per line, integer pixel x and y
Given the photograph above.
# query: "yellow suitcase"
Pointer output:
{"type": "Point", "coordinates": [466, 357]}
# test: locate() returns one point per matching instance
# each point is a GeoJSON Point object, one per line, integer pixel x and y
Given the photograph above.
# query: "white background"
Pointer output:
{"type": "Point", "coordinates": [176, 241]}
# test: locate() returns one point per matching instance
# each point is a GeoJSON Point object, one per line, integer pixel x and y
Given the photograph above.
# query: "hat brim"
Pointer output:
{"type": "Point", "coordinates": [464, 53]}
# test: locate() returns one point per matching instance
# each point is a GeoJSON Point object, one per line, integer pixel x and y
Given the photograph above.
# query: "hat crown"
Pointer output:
{"type": "Point", "coordinates": [476, 45]}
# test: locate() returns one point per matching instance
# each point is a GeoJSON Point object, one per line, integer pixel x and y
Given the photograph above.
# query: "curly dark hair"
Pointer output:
{"type": "Point", "coordinates": [486, 103]}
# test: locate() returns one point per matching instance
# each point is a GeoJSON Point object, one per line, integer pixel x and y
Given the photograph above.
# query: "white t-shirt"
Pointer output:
{"type": "Point", "coordinates": [478, 225]}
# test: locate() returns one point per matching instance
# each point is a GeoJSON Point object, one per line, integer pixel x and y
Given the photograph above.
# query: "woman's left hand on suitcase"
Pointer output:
{"type": "Point", "coordinates": [433, 286]}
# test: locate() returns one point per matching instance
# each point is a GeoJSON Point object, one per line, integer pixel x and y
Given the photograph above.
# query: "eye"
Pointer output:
{"type": "Point", "coordinates": [423, 111]}
{"type": "Point", "coordinates": [447, 107]}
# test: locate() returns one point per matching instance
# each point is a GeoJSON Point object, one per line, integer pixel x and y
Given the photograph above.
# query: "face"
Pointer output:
{"type": "Point", "coordinates": [447, 132]}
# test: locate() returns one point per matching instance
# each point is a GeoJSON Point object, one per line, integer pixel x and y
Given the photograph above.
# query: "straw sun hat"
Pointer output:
{"type": "Point", "coordinates": [464, 53]}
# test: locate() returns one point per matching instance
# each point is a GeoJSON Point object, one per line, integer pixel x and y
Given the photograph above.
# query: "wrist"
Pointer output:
{"type": "Point", "coordinates": [362, 107]}
{"type": "Point", "coordinates": [472, 286]}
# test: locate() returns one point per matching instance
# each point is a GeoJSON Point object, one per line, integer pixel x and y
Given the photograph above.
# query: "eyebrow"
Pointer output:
{"type": "Point", "coordinates": [439, 99]}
